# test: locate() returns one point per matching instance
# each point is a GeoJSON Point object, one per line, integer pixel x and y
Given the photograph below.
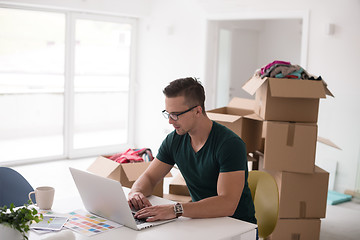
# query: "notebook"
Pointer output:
{"type": "Point", "coordinates": [105, 197]}
{"type": "Point", "coordinates": [50, 223]}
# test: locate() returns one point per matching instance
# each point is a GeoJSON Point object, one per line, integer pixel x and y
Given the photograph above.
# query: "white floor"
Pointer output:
{"type": "Point", "coordinates": [342, 221]}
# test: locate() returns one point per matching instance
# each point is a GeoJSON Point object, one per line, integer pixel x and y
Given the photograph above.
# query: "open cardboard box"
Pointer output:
{"type": "Point", "coordinates": [287, 229]}
{"type": "Point", "coordinates": [289, 146]}
{"type": "Point", "coordinates": [177, 198]}
{"type": "Point", "coordinates": [178, 191]}
{"type": "Point", "coordinates": [282, 99]}
{"type": "Point", "coordinates": [302, 195]}
{"type": "Point", "coordinates": [239, 116]}
{"type": "Point", "coordinates": [178, 186]}
{"type": "Point", "coordinates": [125, 173]}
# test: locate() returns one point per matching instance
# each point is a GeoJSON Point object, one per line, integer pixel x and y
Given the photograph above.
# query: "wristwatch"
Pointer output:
{"type": "Point", "coordinates": [178, 209]}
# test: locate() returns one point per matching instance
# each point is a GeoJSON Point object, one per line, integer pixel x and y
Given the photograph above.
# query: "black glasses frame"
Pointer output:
{"type": "Point", "coordinates": [175, 116]}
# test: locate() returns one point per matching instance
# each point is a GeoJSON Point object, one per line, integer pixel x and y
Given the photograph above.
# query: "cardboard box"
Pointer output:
{"type": "Point", "coordinates": [178, 186]}
{"type": "Point", "coordinates": [302, 195]}
{"type": "Point", "coordinates": [240, 118]}
{"type": "Point", "coordinates": [177, 198]}
{"type": "Point", "coordinates": [178, 191]}
{"type": "Point", "coordinates": [126, 173]}
{"type": "Point", "coordinates": [282, 99]}
{"type": "Point", "coordinates": [253, 162]}
{"type": "Point", "coordinates": [289, 146]}
{"type": "Point", "coordinates": [296, 229]}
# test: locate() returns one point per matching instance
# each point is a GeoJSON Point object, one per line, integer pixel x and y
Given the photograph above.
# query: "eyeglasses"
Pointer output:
{"type": "Point", "coordinates": [175, 116]}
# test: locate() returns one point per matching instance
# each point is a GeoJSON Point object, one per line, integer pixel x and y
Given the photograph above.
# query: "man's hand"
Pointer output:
{"type": "Point", "coordinates": [137, 201]}
{"type": "Point", "coordinates": [155, 213]}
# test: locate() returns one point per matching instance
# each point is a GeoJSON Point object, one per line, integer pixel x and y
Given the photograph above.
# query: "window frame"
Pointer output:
{"type": "Point", "coordinates": [68, 122]}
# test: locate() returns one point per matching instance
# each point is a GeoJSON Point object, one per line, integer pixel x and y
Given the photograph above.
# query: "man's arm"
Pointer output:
{"type": "Point", "coordinates": [229, 187]}
{"type": "Point", "coordinates": [145, 184]}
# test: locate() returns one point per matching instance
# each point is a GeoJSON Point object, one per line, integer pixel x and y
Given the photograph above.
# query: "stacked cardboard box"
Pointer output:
{"type": "Point", "coordinates": [289, 109]}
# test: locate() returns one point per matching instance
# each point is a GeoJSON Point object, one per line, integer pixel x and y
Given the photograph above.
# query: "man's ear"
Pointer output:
{"type": "Point", "coordinates": [199, 110]}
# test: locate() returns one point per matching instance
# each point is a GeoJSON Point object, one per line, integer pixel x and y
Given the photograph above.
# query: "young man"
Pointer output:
{"type": "Point", "coordinates": [211, 158]}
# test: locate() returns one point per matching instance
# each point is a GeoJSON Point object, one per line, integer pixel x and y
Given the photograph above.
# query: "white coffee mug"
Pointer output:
{"type": "Point", "coordinates": [44, 197]}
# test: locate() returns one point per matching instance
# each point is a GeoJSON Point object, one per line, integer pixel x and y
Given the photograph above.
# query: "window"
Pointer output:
{"type": "Point", "coordinates": [101, 83]}
{"type": "Point", "coordinates": [65, 86]}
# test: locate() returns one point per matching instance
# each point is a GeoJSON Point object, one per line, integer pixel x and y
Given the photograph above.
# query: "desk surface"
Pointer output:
{"type": "Point", "coordinates": [181, 229]}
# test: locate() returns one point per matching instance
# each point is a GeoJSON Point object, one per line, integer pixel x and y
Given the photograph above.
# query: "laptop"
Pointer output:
{"type": "Point", "coordinates": [105, 197]}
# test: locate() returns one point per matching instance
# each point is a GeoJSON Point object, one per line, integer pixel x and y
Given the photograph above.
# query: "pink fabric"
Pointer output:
{"type": "Point", "coordinates": [273, 63]}
{"type": "Point", "coordinates": [127, 156]}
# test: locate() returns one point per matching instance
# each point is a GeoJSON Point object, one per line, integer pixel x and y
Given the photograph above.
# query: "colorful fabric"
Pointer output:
{"type": "Point", "coordinates": [295, 74]}
{"type": "Point", "coordinates": [284, 70]}
{"type": "Point", "coordinates": [273, 63]}
{"type": "Point", "coordinates": [132, 155]}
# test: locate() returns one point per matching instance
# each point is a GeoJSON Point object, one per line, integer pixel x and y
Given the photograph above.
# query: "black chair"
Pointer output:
{"type": "Point", "coordinates": [14, 188]}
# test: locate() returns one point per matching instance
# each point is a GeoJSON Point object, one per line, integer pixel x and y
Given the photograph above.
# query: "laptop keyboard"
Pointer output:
{"type": "Point", "coordinates": [139, 221]}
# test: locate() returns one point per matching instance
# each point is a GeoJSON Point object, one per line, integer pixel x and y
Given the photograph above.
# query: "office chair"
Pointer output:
{"type": "Point", "coordinates": [14, 188]}
{"type": "Point", "coordinates": [265, 195]}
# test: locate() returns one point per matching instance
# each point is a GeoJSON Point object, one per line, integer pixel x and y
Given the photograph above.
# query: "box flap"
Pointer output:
{"type": "Point", "coordinates": [254, 116]}
{"type": "Point", "coordinates": [327, 142]}
{"type": "Point", "coordinates": [253, 84]}
{"type": "Point", "coordinates": [243, 103]}
{"type": "Point", "coordinates": [223, 117]}
{"type": "Point", "coordinates": [134, 170]}
{"type": "Point", "coordinates": [327, 91]}
{"type": "Point", "coordinates": [177, 198]}
{"type": "Point", "coordinates": [103, 166]}
{"type": "Point", "coordinates": [310, 89]}
{"type": "Point", "coordinates": [296, 88]}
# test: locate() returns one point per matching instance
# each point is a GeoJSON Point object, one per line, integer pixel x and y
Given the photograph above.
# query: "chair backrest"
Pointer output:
{"type": "Point", "coordinates": [14, 188]}
{"type": "Point", "coordinates": [265, 194]}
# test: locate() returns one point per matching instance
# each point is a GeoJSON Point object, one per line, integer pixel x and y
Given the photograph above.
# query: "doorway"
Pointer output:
{"type": "Point", "coordinates": [237, 47]}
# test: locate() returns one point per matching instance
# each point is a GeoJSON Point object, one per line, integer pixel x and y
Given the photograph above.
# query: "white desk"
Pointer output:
{"type": "Point", "coordinates": [181, 229]}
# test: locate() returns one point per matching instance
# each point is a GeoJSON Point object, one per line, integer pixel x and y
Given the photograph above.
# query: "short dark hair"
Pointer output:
{"type": "Point", "coordinates": [190, 88]}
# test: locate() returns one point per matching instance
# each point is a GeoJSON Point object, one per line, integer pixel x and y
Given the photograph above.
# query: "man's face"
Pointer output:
{"type": "Point", "coordinates": [185, 121]}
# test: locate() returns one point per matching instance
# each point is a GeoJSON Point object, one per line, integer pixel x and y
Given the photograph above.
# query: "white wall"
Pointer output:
{"type": "Point", "coordinates": [172, 43]}
{"type": "Point", "coordinates": [259, 42]}
{"type": "Point", "coordinates": [334, 57]}
{"type": "Point", "coordinates": [272, 41]}
{"type": "Point", "coordinates": [245, 60]}
{"type": "Point", "coordinates": [224, 68]}
{"type": "Point", "coordinates": [131, 8]}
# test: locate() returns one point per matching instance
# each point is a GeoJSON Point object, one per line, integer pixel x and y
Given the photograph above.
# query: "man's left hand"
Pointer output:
{"type": "Point", "coordinates": [155, 213]}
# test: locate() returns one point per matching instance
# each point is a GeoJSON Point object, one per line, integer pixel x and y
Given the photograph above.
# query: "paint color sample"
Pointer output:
{"type": "Point", "coordinates": [88, 224]}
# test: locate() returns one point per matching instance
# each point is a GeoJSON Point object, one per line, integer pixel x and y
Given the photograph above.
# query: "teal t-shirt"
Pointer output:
{"type": "Point", "coordinates": [224, 151]}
